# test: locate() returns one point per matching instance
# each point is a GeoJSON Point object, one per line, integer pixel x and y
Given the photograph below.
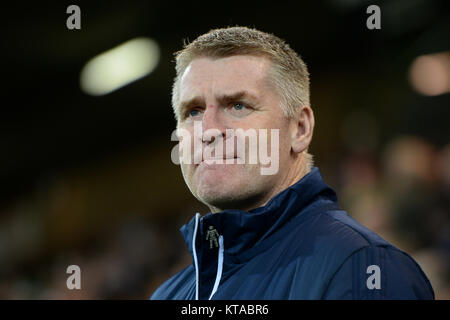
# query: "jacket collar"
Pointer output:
{"type": "Point", "coordinates": [243, 230]}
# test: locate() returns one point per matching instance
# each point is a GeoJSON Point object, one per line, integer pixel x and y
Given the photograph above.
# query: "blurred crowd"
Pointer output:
{"type": "Point", "coordinates": [401, 193]}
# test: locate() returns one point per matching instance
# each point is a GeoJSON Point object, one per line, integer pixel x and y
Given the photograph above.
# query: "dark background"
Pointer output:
{"type": "Point", "coordinates": [88, 180]}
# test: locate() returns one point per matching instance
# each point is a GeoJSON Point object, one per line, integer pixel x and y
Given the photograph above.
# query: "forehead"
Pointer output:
{"type": "Point", "coordinates": [235, 73]}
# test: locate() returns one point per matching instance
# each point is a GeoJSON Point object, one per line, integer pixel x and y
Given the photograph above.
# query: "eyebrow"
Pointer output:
{"type": "Point", "coordinates": [223, 98]}
{"type": "Point", "coordinates": [236, 96]}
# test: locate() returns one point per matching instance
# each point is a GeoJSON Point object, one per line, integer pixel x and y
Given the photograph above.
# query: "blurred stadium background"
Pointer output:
{"type": "Point", "coordinates": [88, 179]}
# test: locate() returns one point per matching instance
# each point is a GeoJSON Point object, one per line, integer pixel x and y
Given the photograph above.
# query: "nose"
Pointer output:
{"type": "Point", "coordinates": [213, 122]}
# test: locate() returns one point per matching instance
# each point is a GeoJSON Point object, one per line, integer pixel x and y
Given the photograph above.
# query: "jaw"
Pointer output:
{"type": "Point", "coordinates": [236, 186]}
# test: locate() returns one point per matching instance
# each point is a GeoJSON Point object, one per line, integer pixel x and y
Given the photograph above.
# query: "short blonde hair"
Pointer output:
{"type": "Point", "coordinates": [289, 74]}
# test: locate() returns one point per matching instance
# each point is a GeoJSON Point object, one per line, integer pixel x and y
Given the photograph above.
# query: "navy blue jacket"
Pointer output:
{"type": "Point", "coordinates": [300, 245]}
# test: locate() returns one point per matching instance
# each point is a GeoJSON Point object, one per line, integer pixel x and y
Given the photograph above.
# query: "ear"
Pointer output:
{"type": "Point", "coordinates": [302, 130]}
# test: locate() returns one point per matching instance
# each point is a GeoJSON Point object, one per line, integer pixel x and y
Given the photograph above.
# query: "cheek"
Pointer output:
{"type": "Point", "coordinates": [285, 144]}
{"type": "Point", "coordinates": [285, 135]}
{"type": "Point", "coordinates": [187, 172]}
{"type": "Point", "coordinates": [278, 141]}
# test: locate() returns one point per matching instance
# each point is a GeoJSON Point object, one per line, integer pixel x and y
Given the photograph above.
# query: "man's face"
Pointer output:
{"type": "Point", "coordinates": [231, 93]}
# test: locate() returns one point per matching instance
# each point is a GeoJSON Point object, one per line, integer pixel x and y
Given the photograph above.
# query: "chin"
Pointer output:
{"type": "Point", "coordinates": [220, 176]}
{"type": "Point", "coordinates": [220, 192]}
{"type": "Point", "coordinates": [216, 189]}
{"type": "Point", "coordinates": [224, 187]}
{"type": "Point", "coordinates": [222, 200]}
{"type": "Point", "coordinates": [229, 195]}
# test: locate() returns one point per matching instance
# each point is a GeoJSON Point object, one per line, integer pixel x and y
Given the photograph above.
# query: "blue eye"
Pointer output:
{"type": "Point", "coordinates": [238, 106]}
{"type": "Point", "coordinates": [194, 113]}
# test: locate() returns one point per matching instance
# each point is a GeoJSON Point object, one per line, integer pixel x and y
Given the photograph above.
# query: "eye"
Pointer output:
{"type": "Point", "coordinates": [239, 109]}
{"type": "Point", "coordinates": [238, 106]}
{"type": "Point", "coordinates": [193, 113]}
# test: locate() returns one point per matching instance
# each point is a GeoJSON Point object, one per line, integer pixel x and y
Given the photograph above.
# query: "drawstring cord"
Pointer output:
{"type": "Point", "coordinates": [197, 216]}
{"type": "Point", "coordinates": [219, 267]}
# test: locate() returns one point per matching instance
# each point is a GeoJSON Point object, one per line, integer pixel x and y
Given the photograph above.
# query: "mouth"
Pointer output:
{"type": "Point", "coordinates": [217, 161]}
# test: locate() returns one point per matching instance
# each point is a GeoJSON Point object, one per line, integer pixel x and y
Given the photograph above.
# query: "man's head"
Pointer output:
{"type": "Point", "coordinates": [241, 78]}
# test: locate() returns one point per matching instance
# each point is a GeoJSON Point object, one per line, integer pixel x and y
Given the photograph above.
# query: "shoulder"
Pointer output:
{"type": "Point", "coordinates": [344, 228]}
{"type": "Point", "coordinates": [334, 234]}
{"type": "Point", "coordinates": [379, 272]}
{"type": "Point", "coordinates": [371, 268]}
{"type": "Point", "coordinates": [344, 255]}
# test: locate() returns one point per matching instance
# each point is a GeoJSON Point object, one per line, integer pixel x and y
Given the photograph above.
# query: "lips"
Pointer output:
{"type": "Point", "coordinates": [217, 161]}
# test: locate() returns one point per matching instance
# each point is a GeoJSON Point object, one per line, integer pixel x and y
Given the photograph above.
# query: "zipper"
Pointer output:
{"type": "Point", "coordinates": [219, 262]}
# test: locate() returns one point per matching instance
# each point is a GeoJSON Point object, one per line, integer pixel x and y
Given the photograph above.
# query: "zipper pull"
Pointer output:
{"type": "Point", "coordinates": [212, 235]}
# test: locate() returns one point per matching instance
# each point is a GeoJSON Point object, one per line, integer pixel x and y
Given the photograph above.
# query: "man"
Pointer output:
{"type": "Point", "coordinates": [277, 235]}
